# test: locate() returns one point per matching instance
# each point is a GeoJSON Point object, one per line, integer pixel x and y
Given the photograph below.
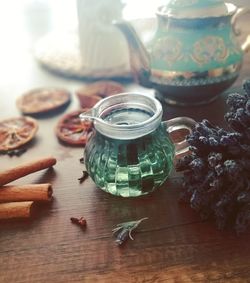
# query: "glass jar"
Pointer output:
{"type": "Point", "coordinates": [130, 152]}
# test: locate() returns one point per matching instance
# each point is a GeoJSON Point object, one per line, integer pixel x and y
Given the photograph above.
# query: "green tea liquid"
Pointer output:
{"type": "Point", "coordinates": [130, 168]}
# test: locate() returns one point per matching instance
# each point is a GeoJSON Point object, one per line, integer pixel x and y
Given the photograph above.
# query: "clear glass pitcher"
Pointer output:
{"type": "Point", "coordinates": [130, 153]}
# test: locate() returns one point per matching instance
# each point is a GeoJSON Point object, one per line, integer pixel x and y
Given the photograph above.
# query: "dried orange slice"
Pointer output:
{"type": "Point", "coordinates": [90, 94]}
{"type": "Point", "coordinates": [86, 100]}
{"type": "Point", "coordinates": [15, 132]}
{"type": "Point", "coordinates": [71, 130]}
{"type": "Point", "coordinates": [43, 100]}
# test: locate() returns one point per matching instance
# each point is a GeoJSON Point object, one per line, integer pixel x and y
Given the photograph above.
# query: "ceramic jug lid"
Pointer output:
{"type": "Point", "coordinates": [197, 8]}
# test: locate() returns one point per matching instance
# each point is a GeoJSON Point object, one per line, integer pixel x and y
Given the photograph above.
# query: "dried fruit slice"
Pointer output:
{"type": "Point", "coordinates": [43, 100]}
{"type": "Point", "coordinates": [71, 130]}
{"type": "Point", "coordinates": [86, 100]}
{"type": "Point", "coordinates": [90, 94]}
{"type": "Point", "coordinates": [15, 132]}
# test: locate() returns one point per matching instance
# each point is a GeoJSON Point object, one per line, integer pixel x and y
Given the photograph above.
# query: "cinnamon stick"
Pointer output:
{"type": "Point", "coordinates": [25, 169]}
{"type": "Point", "coordinates": [32, 192]}
{"type": "Point", "coordinates": [11, 210]}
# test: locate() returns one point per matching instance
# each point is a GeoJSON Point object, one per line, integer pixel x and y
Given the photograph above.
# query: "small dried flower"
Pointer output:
{"type": "Point", "coordinates": [124, 230]}
{"type": "Point", "coordinates": [82, 160]}
{"type": "Point", "coordinates": [79, 221]}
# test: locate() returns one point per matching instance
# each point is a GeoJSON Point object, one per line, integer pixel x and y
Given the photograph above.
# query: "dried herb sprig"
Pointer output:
{"type": "Point", "coordinates": [123, 230]}
{"type": "Point", "coordinates": [84, 176]}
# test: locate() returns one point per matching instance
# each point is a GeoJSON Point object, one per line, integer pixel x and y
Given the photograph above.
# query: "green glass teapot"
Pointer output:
{"type": "Point", "coordinates": [130, 152]}
{"type": "Point", "coordinates": [194, 54]}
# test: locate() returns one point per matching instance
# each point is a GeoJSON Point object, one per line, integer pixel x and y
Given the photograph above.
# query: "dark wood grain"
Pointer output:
{"type": "Point", "coordinates": [173, 245]}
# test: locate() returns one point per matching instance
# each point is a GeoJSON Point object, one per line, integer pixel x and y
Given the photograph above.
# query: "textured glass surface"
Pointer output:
{"type": "Point", "coordinates": [130, 168]}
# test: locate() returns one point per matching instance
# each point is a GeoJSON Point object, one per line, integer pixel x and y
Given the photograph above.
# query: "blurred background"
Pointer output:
{"type": "Point", "coordinates": [23, 22]}
{"type": "Point", "coordinates": [34, 18]}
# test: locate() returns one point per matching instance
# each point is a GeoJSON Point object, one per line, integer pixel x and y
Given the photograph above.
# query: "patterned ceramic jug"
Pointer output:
{"type": "Point", "coordinates": [130, 153]}
{"type": "Point", "coordinates": [194, 54]}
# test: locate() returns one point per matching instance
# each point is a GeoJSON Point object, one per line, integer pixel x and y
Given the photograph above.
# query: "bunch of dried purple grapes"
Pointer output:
{"type": "Point", "coordinates": [217, 172]}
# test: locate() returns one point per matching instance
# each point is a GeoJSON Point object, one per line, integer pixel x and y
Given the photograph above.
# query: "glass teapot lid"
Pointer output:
{"type": "Point", "coordinates": [197, 8]}
{"type": "Point", "coordinates": [125, 116]}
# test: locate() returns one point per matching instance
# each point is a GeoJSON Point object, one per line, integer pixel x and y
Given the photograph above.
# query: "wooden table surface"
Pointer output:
{"type": "Point", "coordinates": [173, 245]}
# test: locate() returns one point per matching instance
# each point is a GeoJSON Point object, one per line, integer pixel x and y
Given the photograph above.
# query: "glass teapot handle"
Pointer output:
{"type": "Point", "coordinates": [241, 11]}
{"type": "Point", "coordinates": [178, 124]}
